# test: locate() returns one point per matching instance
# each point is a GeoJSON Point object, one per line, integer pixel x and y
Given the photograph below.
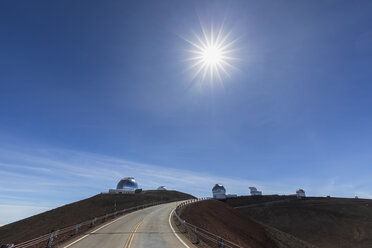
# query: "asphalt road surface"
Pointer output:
{"type": "Point", "coordinates": [149, 227]}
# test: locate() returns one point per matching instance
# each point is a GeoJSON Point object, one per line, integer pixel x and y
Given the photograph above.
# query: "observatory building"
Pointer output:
{"type": "Point", "coordinates": [254, 191]}
{"type": "Point", "coordinates": [127, 185]}
{"type": "Point", "coordinates": [219, 191]}
{"type": "Point", "coordinates": [162, 188]}
{"type": "Point", "coordinates": [300, 193]}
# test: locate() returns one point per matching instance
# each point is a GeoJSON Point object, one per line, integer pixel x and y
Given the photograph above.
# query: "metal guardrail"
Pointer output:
{"type": "Point", "coordinates": [61, 235]}
{"type": "Point", "coordinates": [198, 234]}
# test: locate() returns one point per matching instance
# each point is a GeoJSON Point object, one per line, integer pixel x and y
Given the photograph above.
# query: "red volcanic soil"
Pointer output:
{"type": "Point", "coordinates": [224, 221]}
{"type": "Point", "coordinates": [322, 221]}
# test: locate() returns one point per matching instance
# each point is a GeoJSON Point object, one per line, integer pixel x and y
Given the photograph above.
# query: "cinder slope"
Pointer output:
{"type": "Point", "coordinates": [224, 221]}
{"type": "Point", "coordinates": [324, 222]}
{"type": "Point", "coordinates": [80, 211]}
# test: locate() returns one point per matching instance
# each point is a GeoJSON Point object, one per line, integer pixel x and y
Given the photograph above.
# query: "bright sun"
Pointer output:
{"type": "Point", "coordinates": [212, 54]}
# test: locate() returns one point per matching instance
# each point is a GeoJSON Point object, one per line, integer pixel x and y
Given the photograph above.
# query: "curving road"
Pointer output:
{"type": "Point", "coordinates": [144, 228]}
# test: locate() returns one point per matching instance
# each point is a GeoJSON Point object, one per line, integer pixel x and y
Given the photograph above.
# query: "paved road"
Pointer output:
{"type": "Point", "coordinates": [145, 228]}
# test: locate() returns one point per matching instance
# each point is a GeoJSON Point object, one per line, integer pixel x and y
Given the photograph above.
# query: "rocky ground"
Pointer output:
{"type": "Point", "coordinates": [223, 220]}
{"type": "Point", "coordinates": [322, 221]}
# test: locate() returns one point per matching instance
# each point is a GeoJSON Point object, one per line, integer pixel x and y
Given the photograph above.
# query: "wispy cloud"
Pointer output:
{"type": "Point", "coordinates": [22, 167]}
{"type": "Point", "coordinates": [7, 212]}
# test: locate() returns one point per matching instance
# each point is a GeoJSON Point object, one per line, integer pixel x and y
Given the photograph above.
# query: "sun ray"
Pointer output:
{"type": "Point", "coordinates": [196, 64]}
{"type": "Point", "coordinates": [230, 51]}
{"type": "Point", "coordinates": [228, 45]}
{"type": "Point", "coordinates": [202, 43]}
{"type": "Point", "coordinates": [223, 69]}
{"type": "Point", "coordinates": [228, 65]}
{"type": "Point", "coordinates": [205, 36]}
{"type": "Point", "coordinates": [219, 35]}
{"type": "Point", "coordinates": [224, 38]}
{"type": "Point", "coordinates": [228, 57]}
{"type": "Point", "coordinates": [198, 71]}
{"type": "Point", "coordinates": [217, 72]}
{"type": "Point", "coordinates": [196, 45]}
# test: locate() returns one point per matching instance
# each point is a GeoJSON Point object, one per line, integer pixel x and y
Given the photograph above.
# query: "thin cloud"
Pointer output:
{"type": "Point", "coordinates": [16, 166]}
{"type": "Point", "coordinates": [10, 212]}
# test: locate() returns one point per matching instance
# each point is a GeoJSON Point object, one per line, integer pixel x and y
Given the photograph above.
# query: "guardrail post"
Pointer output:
{"type": "Point", "coordinates": [184, 225]}
{"type": "Point", "coordinates": [7, 246]}
{"type": "Point", "coordinates": [220, 242]}
{"type": "Point", "coordinates": [77, 226]}
{"type": "Point", "coordinates": [197, 233]}
{"type": "Point", "coordinates": [93, 222]}
{"type": "Point", "coordinates": [52, 236]}
{"type": "Point", "coordinates": [178, 222]}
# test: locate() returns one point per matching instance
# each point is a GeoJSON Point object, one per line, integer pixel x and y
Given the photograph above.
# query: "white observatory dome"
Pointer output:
{"type": "Point", "coordinates": [219, 188]}
{"type": "Point", "coordinates": [127, 184]}
{"type": "Point", "coordinates": [219, 191]}
{"type": "Point", "coordinates": [254, 191]}
{"type": "Point", "coordinates": [300, 193]}
{"type": "Point", "coordinates": [162, 188]}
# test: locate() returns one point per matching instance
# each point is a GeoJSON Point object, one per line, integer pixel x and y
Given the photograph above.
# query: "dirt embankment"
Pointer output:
{"type": "Point", "coordinates": [80, 211]}
{"type": "Point", "coordinates": [324, 222]}
{"type": "Point", "coordinates": [224, 221]}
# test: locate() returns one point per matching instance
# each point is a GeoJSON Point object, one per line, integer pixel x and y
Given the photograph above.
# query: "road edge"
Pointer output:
{"type": "Point", "coordinates": [174, 232]}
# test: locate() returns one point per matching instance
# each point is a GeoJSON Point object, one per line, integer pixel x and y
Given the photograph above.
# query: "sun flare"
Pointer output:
{"type": "Point", "coordinates": [211, 54]}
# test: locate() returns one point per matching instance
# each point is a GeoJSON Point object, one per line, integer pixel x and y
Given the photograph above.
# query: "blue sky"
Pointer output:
{"type": "Point", "coordinates": [92, 91]}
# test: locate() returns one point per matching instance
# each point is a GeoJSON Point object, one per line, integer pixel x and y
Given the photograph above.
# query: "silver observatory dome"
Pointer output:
{"type": "Point", "coordinates": [219, 188]}
{"type": "Point", "coordinates": [127, 184]}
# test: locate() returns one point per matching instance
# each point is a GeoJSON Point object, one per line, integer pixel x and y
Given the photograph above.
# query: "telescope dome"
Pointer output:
{"type": "Point", "coordinates": [300, 193]}
{"type": "Point", "coordinates": [219, 188]}
{"type": "Point", "coordinates": [127, 184]}
{"type": "Point", "coordinates": [219, 192]}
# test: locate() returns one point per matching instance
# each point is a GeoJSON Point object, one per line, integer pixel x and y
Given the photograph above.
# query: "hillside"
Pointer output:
{"type": "Point", "coordinates": [324, 222]}
{"type": "Point", "coordinates": [225, 221]}
{"type": "Point", "coordinates": [80, 211]}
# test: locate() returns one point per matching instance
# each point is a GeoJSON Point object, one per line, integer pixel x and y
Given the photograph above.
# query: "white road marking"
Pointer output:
{"type": "Point", "coordinates": [170, 215]}
{"type": "Point", "coordinates": [97, 229]}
